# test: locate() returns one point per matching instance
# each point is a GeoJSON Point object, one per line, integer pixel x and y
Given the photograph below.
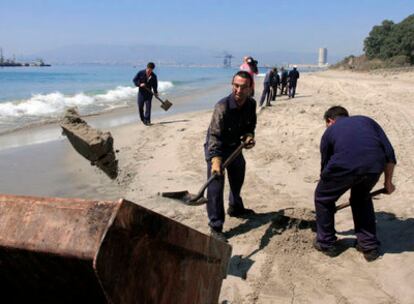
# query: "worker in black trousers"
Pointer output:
{"type": "Point", "coordinates": [293, 81]}
{"type": "Point", "coordinates": [146, 81]}
{"type": "Point", "coordinates": [354, 152]}
{"type": "Point", "coordinates": [233, 121]}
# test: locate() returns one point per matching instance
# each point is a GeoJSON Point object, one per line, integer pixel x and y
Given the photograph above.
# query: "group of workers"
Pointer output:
{"type": "Point", "coordinates": [286, 82]}
{"type": "Point", "coordinates": [354, 153]}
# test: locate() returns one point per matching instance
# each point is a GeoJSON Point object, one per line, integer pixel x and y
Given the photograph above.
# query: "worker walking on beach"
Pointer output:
{"type": "Point", "coordinates": [146, 81]}
{"type": "Point", "coordinates": [267, 94]}
{"type": "Point", "coordinates": [283, 81]}
{"type": "Point", "coordinates": [274, 83]}
{"type": "Point", "coordinates": [233, 121]}
{"type": "Point", "coordinates": [354, 151]}
{"type": "Point", "coordinates": [293, 81]}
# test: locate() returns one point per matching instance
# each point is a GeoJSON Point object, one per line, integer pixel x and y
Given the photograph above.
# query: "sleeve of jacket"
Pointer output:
{"type": "Point", "coordinates": [252, 127]}
{"type": "Point", "coordinates": [155, 84]}
{"type": "Point", "coordinates": [325, 150]}
{"type": "Point", "coordinates": [386, 144]}
{"type": "Point", "coordinates": [136, 80]}
{"type": "Point", "coordinates": [215, 140]}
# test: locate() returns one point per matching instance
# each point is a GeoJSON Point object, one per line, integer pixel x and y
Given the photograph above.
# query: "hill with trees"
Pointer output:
{"type": "Point", "coordinates": [388, 45]}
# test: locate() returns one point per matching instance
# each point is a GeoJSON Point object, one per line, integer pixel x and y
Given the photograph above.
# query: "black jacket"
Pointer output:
{"type": "Point", "coordinates": [228, 125]}
{"type": "Point", "coordinates": [151, 82]}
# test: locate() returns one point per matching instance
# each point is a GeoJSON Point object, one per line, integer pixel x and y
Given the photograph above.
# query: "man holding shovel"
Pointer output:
{"type": "Point", "coordinates": [233, 123]}
{"type": "Point", "coordinates": [147, 82]}
{"type": "Point", "coordinates": [354, 151]}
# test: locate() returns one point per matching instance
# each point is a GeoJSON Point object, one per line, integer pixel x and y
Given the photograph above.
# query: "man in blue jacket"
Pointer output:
{"type": "Point", "coordinates": [147, 82]}
{"type": "Point", "coordinates": [234, 120]}
{"type": "Point", "coordinates": [354, 153]}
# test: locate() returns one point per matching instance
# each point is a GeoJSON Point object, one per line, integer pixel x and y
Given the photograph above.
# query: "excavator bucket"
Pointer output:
{"type": "Point", "coordinates": [61, 250]}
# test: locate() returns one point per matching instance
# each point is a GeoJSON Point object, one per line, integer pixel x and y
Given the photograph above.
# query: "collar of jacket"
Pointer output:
{"type": "Point", "coordinates": [233, 103]}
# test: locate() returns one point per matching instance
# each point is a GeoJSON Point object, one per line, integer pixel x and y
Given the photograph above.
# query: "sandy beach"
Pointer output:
{"type": "Point", "coordinates": [272, 262]}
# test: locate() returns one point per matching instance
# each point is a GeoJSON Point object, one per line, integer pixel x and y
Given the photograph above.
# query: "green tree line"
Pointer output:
{"type": "Point", "coordinates": [392, 41]}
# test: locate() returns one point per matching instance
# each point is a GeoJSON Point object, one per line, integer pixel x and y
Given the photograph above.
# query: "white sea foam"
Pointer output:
{"type": "Point", "coordinates": [53, 104]}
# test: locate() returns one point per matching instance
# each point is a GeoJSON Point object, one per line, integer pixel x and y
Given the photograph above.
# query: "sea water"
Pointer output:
{"type": "Point", "coordinates": [33, 95]}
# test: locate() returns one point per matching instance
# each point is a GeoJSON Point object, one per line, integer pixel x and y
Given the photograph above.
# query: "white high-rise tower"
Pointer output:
{"type": "Point", "coordinates": [323, 56]}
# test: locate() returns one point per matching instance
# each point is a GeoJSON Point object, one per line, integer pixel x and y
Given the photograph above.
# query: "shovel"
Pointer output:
{"type": "Point", "coordinates": [165, 104]}
{"type": "Point", "coordinates": [372, 194]}
{"type": "Point", "coordinates": [198, 199]}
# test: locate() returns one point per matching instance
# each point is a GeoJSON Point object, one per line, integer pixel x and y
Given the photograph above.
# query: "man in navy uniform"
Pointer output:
{"type": "Point", "coordinates": [283, 81]}
{"type": "Point", "coordinates": [147, 82]}
{"type": "Point", "coordinates": [233, 121]}
{"type": "Point", "coordinates": [354, 153]}
{"type": "Point", "coordinates": [267, 94]}
{"type": "Point", "coordinates": [293, 81]}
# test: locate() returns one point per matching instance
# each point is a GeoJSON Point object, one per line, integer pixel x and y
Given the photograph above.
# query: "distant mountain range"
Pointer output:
{"type": "Point", "coordinates": [165, 55]}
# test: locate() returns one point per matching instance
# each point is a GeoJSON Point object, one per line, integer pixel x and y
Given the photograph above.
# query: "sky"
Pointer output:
{"type": "Point", "coordinates": [233, 25]}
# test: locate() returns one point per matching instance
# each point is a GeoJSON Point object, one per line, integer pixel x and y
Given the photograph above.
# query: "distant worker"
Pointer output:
{"type": "Point", "coordinates": [283, 81]}
{"type": "Point", "coordinates": [233, 121]}
{"type": "Point", "coordinates": [267, 94]}
{"type": "Point", "coordinates": [250, 65]}
{"type": "Point", "coordinates": [293, 81]}
{"type": "Point", "coordinates": [354, 151]}
{"type": "Point", "coordinates": [274, 84]}
{"type": "Point", "coordinates": [147, 82]}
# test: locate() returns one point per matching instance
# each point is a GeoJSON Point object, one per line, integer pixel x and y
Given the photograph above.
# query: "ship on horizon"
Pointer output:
{"type": "Point", "coordinates": [13, 63]}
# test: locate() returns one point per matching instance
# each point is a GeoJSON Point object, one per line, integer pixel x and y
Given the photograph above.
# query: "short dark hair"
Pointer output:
{"type": "Point", "coordinates": [245, 75]}
{"type": "Point", "coordinates": [334, 112]}
{"type": "Point", "coordinates": [151, 65]}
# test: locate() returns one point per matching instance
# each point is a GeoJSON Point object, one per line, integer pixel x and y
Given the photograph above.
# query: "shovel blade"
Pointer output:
{"type": "Point", "coordinates": [185, 197]}
{"type": "Point", "coordinates": [166, 105]}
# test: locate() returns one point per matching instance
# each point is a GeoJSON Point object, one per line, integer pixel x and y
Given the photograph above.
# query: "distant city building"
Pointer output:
{"type": "Point", "coordinates": [323, 56]}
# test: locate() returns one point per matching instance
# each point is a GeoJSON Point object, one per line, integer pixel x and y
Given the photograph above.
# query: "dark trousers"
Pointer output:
{"type": "Point", "coordinates": [328, 192]}
{"type": "Point", "coordinates": [215, 191]}
{"type": "Point", "coordinates": [273, 92]}
{"type": "Point", "coordinates": [144, 101]}
{"type": "Point", "coordinates": [283, 90]}
{"type": "Point", "coordinates": [292, 89]}
{"type": "Point", "coordinates": [265, 94]}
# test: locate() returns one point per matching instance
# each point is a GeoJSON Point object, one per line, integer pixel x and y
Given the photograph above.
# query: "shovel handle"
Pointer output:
{"type": "Point", "coordinates": [228, 161]}
{"type": "Point", "coordinates": [162, 101]}
{"type": "Point", "coordinates": [372, 194]}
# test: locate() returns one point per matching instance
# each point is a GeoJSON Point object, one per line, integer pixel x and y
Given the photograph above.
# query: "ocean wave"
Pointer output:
{"type": "Point", "coordinates": [53, 104]}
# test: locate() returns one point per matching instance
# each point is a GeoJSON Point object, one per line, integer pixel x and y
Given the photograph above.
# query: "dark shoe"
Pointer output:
{"type": "Point", "coordinates": [330, 251]}
{"type": "Point", "coordinates": [239, 212]}
{"type": "Point", "coordinates": [219, 235]}
{"type": "Point", "coordinates": [369, 255]}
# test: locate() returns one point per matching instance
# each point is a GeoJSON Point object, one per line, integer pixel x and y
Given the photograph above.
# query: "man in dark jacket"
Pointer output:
{"type": "Point", "coordinates": [233, 121]}
{"type": "Point", "coordinates": [354, 153]}
{"type": "Point", "coordinates": [293, 81]}
{"type": "Point", "coordinates": [283, 81]}
{"type": "Point", "coordinates": [147, 82]}
{"type": "Point", "coordinates": [274, 83]}
{"type": "Point", "coordinates": [266, 94]}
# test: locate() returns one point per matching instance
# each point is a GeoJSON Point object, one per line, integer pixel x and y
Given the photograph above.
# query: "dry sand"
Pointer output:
{"type": "Point", "coordinates": [273, 259]}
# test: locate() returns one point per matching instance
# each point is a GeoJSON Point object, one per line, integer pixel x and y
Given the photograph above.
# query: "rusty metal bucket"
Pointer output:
{"type": "Point", "coordinates": [61, 250]}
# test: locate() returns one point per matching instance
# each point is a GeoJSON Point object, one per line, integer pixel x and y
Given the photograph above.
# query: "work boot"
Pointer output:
{"type": "Point", "coordinates": [370, 254]}
{"type": "Point", "coordinates": [239, 212]}
{"type": "Point", "coordinates": [218, 234]}
{"type": "Point", "coordinates": [330, 251]}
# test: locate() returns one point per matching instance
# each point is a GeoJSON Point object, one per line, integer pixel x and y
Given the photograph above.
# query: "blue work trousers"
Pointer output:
{"type": "Point", "coordinates": [144, 107]}
{"type": "Point", "coordinates": [215, 191]}
{"type": "Point", "coordinates": [328, 192]}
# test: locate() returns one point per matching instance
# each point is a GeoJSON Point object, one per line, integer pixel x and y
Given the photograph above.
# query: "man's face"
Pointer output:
{"type": "Point", "coordinates": [241, 89]}
{"type": "Point", "coordinates": [149, 71]}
